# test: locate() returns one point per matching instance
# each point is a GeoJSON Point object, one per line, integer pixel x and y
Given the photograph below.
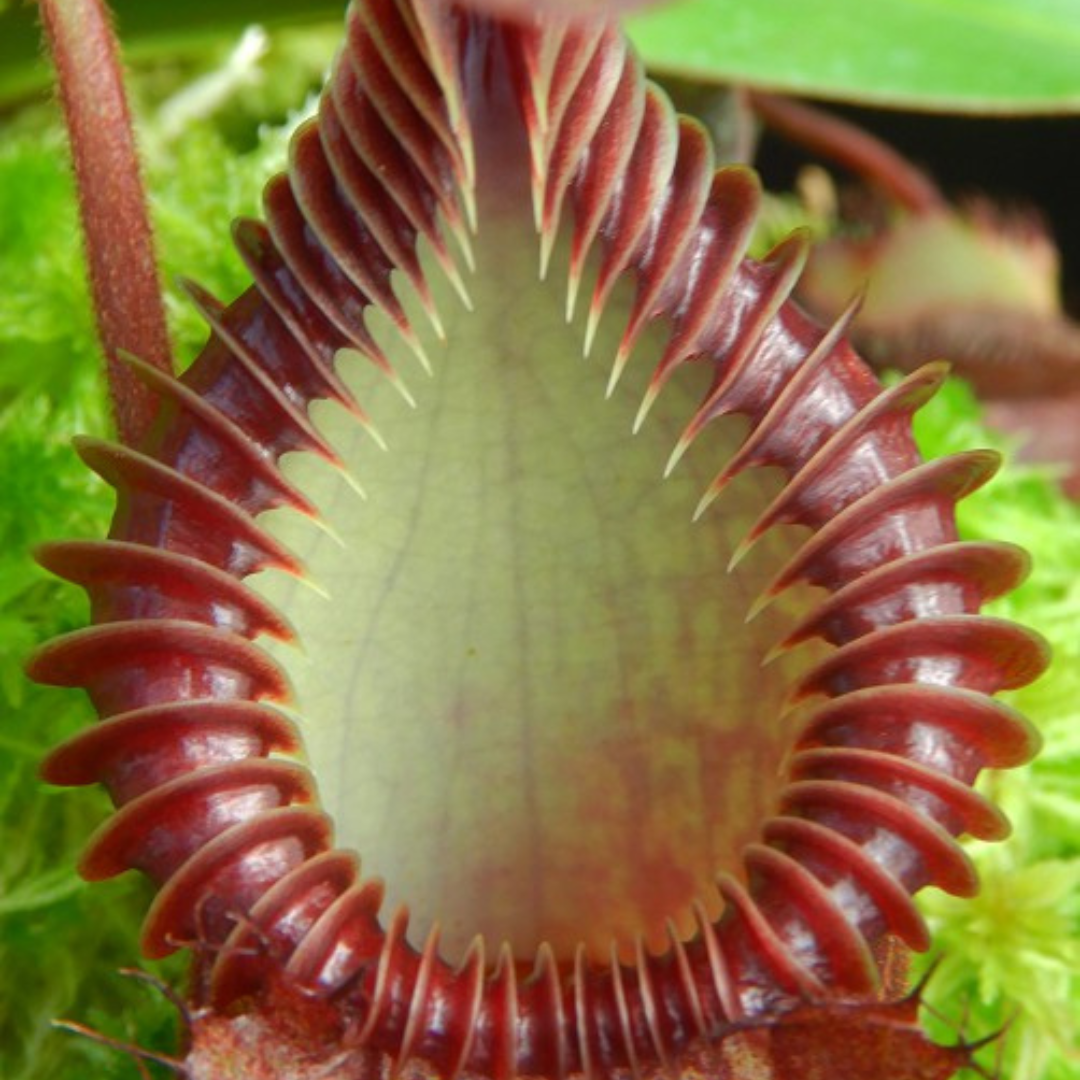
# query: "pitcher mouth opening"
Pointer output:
{"type": "Point", "coordinates": [527, 685]}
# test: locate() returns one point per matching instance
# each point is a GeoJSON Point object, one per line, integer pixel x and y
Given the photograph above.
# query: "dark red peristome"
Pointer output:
{"type": "Point", "coordinates": [879, 780]}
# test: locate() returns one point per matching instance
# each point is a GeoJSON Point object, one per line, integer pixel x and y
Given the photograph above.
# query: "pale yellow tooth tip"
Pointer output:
{"type": "Point", "coordinates": [743, 548]}
{"type": "Point", "coordinates": [310, 583]}
{"type": "Point", "coordinates": [705, 502]}
{"type": "Point", "coordinates": [327, 529]}
{"type": "Point", "coordinates": [762, 601]}
{"type": "Point", "coordinates": [421, 353]}
{"type": "Point", "coordinates": [573, 281]}
{"type": "Point", "coordinates": [677, 454]}
{"type": "Point", "coordinates": [352, 482]}
{"type": "Point", "coordinates": [377, 437]}
{"type": "Point", "coordinates": [591, 325]}
{"type": "Point", "coordinates": [617, 368]}
{"type": "Point", "coordinates": [645, 407]}
{"type": "Point", "coordinates": [775, 653]}
{"type": "Point", "coordinates": [547, 246]}
{"type": "Point", "coordinates": [436, 322]}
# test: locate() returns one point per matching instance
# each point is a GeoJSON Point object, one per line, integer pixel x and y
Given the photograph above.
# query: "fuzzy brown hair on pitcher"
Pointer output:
{"type": "Point", "coordinates": [643, 680]}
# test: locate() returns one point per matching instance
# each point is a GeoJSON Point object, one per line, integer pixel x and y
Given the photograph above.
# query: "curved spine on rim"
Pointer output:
{"type": "Point", "coordinates": [192, 736]}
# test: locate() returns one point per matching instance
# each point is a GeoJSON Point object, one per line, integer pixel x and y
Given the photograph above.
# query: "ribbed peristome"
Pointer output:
{"type": "Point", "coordinates": [436, 126]}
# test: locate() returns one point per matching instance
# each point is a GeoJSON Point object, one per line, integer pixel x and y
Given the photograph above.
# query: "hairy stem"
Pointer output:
{"type": "Point", "coordinates": [119, 244]}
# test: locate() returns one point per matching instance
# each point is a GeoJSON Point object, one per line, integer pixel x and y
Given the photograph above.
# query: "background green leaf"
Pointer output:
{"type": "Point", "coordinates": [990, 56]}
{"type": "Point", "coordinates": [979, 56]}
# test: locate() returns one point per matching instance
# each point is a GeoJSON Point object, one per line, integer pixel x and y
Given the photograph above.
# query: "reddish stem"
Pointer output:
{"type": "Point", "coordinates": [119, 242]}
{"type": "Point", "coordinates": [852, 147]}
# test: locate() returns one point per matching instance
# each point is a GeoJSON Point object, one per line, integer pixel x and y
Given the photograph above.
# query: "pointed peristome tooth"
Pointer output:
{"type": "Point", "coordinates": [396, 380]}
{"type": "Point", "coordinates": [592, 323]}
{"type": "Point", "coordinates": [946, 864]}
{"type": "Point", "coordinates": [200, 799]}
{"type": "Point", "coordinates": [716, 487]}
{"type": "Point", "coordinates": [417, 346]}
{"type": "Point", "coordinates": [757, 606]}
{"type": "Point", "coordinates": [648, 400]}
{"type": "Point", "coordinates": [990, 568]}
{"type": "Point", "coordinates": [172, 920]}
{"type": "Point", "coordinates": [709, 266]}
{"type": "Point", "coordinates": [784, 883]}
{"type": "Point", "coordinates": [829, 461]}
{"type": "Point", "coordinates": [332, 533]}
{"type": "Point", "coordinates": [756, 450]}
{"type": "Point", "coordinates": [548, 230]}
{"type": "Point", "coordinates": [651, 168]}
{"type": "Point", "coordinates": [944, 481]}
{"type": "Point", "coordinates": [333, 951]}
{"type": "Point", "coordinates": [742, 549]}
{"type": "Point", "coordinates": [609, 157]}
{"type": "Point", "coordinates": [357, 201]}
{"type": "Point", "coordinates": [101, 565]}
{"type": "Point", "coordinates": [585, 112]}
{"type": "Point", "coordinates": [785, 263]}
{"type": "Point", "coordinates": [457, 282]}
{"type": "Point", "coordinates": [88, 657]}
{"type": "Point", "coordinates": [546, 980]}
{"type": "Point", "coordinates": [977, 816]}
{"type": "Point", "coordinates": [784, 968]}
{"type": "Point", "coordinates": [824, 845]}
{"type": "Point", "coordinates": [618, 366]}
{"type": "Point", "coordinates": [353, 238]}
{"type": "Point", "coordinates": [216, 317]}
{"type": "Point", "coordinates": [376, 435]}
{"type": "Point", "coordinates": [416, 1016]}
{"type": "Point", "coordinates": [304, 322]}
{"type": "Point", "coordinates": [775, 651]}
{"type": "Point", "coordinates": [672, 230]}
{"type": "Point", "coordinates": [684, 443]}
{"type": "Point", "coordinates": [573, 284]}
{"type": "Point", "coordinates": [419, 75]}
{"type": "Point", "coordinates": [224, 429]}
{"type": "Point", "coordinates": [126, 469]}
{"type": "Point", "coordinates": [537, 189]}
{"type": "Point", "coordinates": [96, 753]}
{"type": "Point", "coordinates": [988, 654]}
{"type": "Point", "coordinates": [706, 500]}
{"type": "Point", "coordinates": [430, 310]}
